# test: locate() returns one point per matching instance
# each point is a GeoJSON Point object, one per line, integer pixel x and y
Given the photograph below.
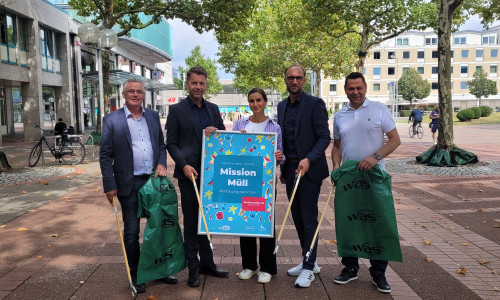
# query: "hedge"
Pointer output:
{"type": "Point", "coordinates": [485, 111]}
{"type": "Point", "coordinates": [404, 113]}
{"type": "Point", "coordinates": [466, 115]}
{"type": "Point", "coordinates": [477, 112]}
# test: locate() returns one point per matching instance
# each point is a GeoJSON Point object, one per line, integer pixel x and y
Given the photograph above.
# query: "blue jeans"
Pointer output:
{"type": "Point", "coordinates": [131, 224]}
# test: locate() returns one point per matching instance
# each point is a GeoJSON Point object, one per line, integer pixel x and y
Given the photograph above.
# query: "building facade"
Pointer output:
{"type": "Point", "coordinates": [387, 61]}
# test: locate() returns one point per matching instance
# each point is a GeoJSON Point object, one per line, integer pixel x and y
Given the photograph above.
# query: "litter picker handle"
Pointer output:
{"type": "Point", "coordinates": [319, 224]}
{"type": "Point", "coordinates": [201, 210]}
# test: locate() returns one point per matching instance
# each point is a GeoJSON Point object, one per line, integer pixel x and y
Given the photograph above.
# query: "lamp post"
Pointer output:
{"type": "Point", "coordinates": [395, 99]}
{"type": "Point", "coordinates": [98, 39]}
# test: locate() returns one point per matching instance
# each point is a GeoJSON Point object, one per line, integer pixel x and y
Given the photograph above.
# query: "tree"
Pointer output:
{"type": "Point", "coordinates": [411, 86]}
{"type": "Point", "coordinates": [281, 33]}
{"type": "Point", "coordinates": [374, 21]}
{"type": "Point", "coordinates": [222, 16]}
{"type": "Point", "coordinates": [195, 58]}
{"type": "Point", "coordinates": [481, 86]}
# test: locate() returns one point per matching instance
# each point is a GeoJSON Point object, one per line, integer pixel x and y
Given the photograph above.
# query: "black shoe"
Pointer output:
{"type": "Point", "coordinates": [346, 275]}
{"type": "Point", "coordinates": [193, 279]}
{"type": "Point", "coordinates": [169, 280]}
{"type": "Point", "coordinates": [139, 288]}
{"type": "Point", "coordinates": [214, 272]}
{"type": "Point", "coordinates": [381, 283]}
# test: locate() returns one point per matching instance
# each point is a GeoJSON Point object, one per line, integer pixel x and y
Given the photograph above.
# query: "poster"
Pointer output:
{"type": "Point", "coordinates": [237, 188]}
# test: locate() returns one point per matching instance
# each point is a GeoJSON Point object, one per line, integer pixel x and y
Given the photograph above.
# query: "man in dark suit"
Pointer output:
{"type": "Point", "coordinates": [304, 123]}
{"type": "Point", "coordinates": [185, 124]}
{"type": "Point", "coordinates": [132, 147]}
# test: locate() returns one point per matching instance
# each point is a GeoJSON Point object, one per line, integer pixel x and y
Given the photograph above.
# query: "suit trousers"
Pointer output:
{"type": "Point", "coordinates": [304, 210]}
{"type": "Point", "coordinates": [194, 244]}
{"type": "Point", "coordinates": [131, 224]}
{"type": "Point", "coordinates": [377, 266]}
{"type": "Point", "coordinates": [267, 259]}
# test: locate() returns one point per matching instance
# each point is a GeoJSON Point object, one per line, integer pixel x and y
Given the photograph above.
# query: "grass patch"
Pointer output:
{"type": "Point", "coordinates": [494, 118]}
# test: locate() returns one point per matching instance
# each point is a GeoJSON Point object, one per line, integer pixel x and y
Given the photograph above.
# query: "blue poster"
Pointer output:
{"type": "Point", "coordinates": [238, 183]}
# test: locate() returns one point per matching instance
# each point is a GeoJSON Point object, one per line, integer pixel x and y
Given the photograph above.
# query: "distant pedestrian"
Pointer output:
{"type": "Point", "coordinates": [60, 126]}
{"type": "Point", "coordinates": [416, 117]}
{"type": "Point", "coordinates": [434, 116]}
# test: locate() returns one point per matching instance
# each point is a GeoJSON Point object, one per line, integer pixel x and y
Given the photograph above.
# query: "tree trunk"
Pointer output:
{"type": "Point", "coordinates": [105, 80]}
{"type": "Point", "coordinates": [4, 162]}
{"type": "Point", "coordinates": [317, 83]}
{"type": "Point", "coordinates": [363, 50]}
{"type": "Point", "coordinates": [445, 133]}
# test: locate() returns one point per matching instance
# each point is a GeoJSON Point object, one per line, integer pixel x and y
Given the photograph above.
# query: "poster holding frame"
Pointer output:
{"type": "Point", "coordinates": [238, 183]}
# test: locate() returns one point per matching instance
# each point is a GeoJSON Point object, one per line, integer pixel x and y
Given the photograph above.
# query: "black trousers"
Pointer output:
{"type": "Point", "coordinates": [267, 260]}
{"type": "Point", "coordinates": [194, 244]}
{"type": "Point", "coordinates": [304, 211]}
{"type": "Point", "coordinates": [415, 123]}
{"type": "Point", "coordinates": [377, 266]}
{"type": "Point", "coordinates": [131, 224]}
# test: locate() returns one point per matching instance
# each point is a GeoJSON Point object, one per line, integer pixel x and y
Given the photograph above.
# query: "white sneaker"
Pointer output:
{"type": "Point", "coordinates": [264, 277]}
{"type": "Point", "coordinates": [295, 271]}
{"type": "Point", "coordinates": [305, 278]}
{"type": "Point", "coordinates": [247, 274]}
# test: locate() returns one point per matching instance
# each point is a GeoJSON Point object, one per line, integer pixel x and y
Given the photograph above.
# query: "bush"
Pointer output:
{"type": "Point", "coordinates": [477, 112]}
{"type": "Point", "coordinates": [485, 111]}
{"type": "Point", "coordinates": [465, 115]}
{"type": "Point", "coordinates": [431, 108]}
{"type": "Point", "coordinates": [405, 113]}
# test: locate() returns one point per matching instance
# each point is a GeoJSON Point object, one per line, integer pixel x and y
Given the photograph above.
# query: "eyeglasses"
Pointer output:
{"type": "Point", "coordinates": [292, 78]}
{"type": "Point", "coordinates": [131, 92]}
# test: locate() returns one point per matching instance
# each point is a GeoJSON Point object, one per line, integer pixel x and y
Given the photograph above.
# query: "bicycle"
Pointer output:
{"type": "Point", "coordinates": [70, 150]}
{"type": "Point", "coordinates": [420, 130]}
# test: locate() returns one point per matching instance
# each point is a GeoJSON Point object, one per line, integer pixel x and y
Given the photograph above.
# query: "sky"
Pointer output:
{"type": "Point", "coordinates": [185, 38]}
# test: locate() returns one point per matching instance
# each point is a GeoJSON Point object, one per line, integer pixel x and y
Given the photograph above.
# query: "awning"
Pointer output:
{"type": "Point", "coordinates": [143, 49]}
{"type": "Point", "coordinates": [118, 77]}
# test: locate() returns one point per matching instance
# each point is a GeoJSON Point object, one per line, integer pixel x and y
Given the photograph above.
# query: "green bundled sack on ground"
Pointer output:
{"type": "Point", "coordinates": [162, 251]}
{"type": "Point", "coordinates": [444, 158]}
{"type": "Point", "coordinates": [365, 219]}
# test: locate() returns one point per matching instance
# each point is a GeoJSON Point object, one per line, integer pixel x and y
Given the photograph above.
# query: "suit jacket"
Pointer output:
{"type": "Point", "coordinates": [183, 140]}
{"type": "Point", "coordinates": [311, 133]}
{"type": "Point", "coordinates": [116, 156]}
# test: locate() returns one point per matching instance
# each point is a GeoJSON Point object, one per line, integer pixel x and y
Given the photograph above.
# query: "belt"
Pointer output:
{"type": "Point", "coordinates": [293, 160]}
{"type": "Point", "coordinates": [143, 176]}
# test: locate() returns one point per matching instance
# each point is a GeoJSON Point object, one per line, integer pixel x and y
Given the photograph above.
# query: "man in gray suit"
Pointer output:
{"type": "Point", "coordinates": [185, 125]}
{"type": "Point", "coordinates": [132, 148]}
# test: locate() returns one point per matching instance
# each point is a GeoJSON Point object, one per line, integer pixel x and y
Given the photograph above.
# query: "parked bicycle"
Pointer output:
{"type": "Point", "coordinates": [419, 129]}
{"type": "Point", "coordinates": [70, 150]}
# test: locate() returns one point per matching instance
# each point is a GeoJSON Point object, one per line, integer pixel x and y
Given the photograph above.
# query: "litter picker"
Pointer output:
{"type": "Point", "coordinates": [297, 179]}
{"type": "Point", "coordinates": [201, 210]}
{"type": "Point", "coordinates": [319, 224]}
{"type": "Point", "coordinates": [134, 291]}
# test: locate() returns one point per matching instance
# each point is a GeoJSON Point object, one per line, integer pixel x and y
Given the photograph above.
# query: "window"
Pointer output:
{"type": "Point", "coordinates": [47, 50]}
{"type": "Point", "coordinates": [434, 69]}
{"type": "Point", "coordinates": [376, 87]}
{"type": "Point", "coordinates": [435, 54]}
{"type": "Point", "coordinates": [431, 41]}
{"type": "Point", "coordinates": [402, 41]}
{"type": "Point", "coordinates": [406, 54]}
{"type": "Point", "coordinates": [460, 40]}
{"type": "Point", "coordinates": [494, 53]}
{"type": "Point", "coordinates": [23, 34]}
{"type": "Point", "coordinates": [434, 85]}
{"type": "Point", "coordinates": [391, 71]}
{"type": "Point", "coordinates": [451, 70]}
{"type": "Point", "coordinates": [493, 69]}
{"type": "Point", "coordinates": [405, 69]}
{"type": "Point", "coordinates": [333, 87]}
{"type": "Point", "coordinates": [11, 30]}
{"type": "Point", "coordinates": [479, 68]}
{"type": "Point", "coordinates": [465, 53]}
{"type": "Point", "coordinates": [420, 70]}
{"type": "Point", "coordinates": [376, 71]}
{"type": "Point", "coordinates": [463, 85]}
{"type": "Point", "coordinates": [479, 53]}
{"type": "Point", "coordinates": [464, 69]}
{"type": "Point", "coordinates": [391, 55]}
{"type": "Point", "coordinates": [488, 40]}
{"type": "Point", "coordinates": [364, 71]}
{"type": "Point", "coordinates": [376, 55]}
{"type": "Point", "coordinates": [451, 53]}
{"type": "Point", "coordinates": [420, 54]}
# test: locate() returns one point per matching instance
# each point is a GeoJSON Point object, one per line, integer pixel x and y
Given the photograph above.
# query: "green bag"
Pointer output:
{"type": "Point", "coordinates": [365, 219]}
{"type": "Point", "coordinates": [162, 251]}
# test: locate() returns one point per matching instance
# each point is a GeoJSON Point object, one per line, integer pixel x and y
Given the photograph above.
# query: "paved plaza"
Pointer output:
{"type": "Point", "coordinates": [59, 238]}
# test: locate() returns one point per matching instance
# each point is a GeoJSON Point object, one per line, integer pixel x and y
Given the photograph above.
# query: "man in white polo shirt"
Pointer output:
{"type": "Point", "coordinates": [358, 133]}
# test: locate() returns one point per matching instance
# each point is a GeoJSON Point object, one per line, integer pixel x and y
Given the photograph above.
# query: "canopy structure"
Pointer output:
{"type": "Point", "coordinates": [118, 77]}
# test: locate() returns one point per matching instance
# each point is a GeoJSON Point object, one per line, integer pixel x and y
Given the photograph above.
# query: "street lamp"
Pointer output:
{"type": "Point", "coordinates": [90, 34]}
{"type": "Point", "coordinates": [395, 99]}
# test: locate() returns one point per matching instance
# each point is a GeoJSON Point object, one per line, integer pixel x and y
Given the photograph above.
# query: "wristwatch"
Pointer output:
{"type": "Point", "coordinates": [377, 156]}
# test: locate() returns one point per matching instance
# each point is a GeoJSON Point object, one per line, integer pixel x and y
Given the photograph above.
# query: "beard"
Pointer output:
{"type": "Point", "coordinates": [290, 91]}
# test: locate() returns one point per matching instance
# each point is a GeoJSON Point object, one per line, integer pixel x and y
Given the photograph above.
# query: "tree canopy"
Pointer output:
{"type": "Point", "coordinates": [481, 86]}
{"type": "Point", "coordinates": [194, 59]}
{"type": "Point", "coordinates": [411, 86]}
